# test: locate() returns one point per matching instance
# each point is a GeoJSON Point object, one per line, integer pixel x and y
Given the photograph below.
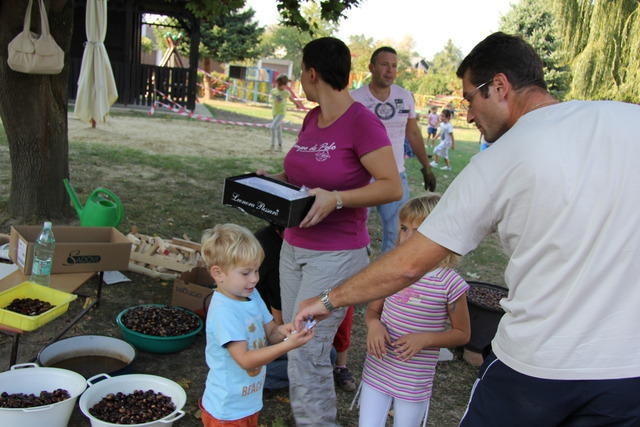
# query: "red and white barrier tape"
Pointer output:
{"type": "Point", "coordinates": [168, 98]}
{"type": "Point", "coordinates": [184, 112]}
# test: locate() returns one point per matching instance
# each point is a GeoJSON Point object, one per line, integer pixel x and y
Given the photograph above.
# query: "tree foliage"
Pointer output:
{"type": "Point", "coordinates": [226, 37]}
{"type": "Point", "coordinates": [33, 108]}
{"type": "Point", "coordinates": [602, 42]}
{"type": "Point", "coordinates": [441, 78]}
{"type": "Point", "coordinates": [361, 48]}
{"type": "Point", "coordinates": [292, 12]}
{"type": "Point", "coordinates": [535, 22]}
{"type": "Point", "coordinates": [286, 41]}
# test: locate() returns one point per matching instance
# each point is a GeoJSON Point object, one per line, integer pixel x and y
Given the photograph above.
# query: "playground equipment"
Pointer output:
{"type": "Point", "coordinates": [233, 88]}
{"type": "Point", "coordinates": [103, 208]}
{"type": "Point", "coordinates": [171, 57]}
{"type": "Point", "coordinates": [249, 83]}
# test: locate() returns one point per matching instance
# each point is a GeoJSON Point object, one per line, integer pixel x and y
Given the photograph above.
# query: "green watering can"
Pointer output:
{"type": "Point", "coordinates": [103, 208]}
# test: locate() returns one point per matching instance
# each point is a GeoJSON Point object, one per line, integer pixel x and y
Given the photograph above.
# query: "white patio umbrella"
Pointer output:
{"type": "Point", "coordinates": [96, 85]}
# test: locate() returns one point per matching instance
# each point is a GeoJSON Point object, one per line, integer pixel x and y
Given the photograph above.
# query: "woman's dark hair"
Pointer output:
{"type": "Point", "coordinates": [330, 58]}
{"type": "Point", "coordinates": [503, 53]}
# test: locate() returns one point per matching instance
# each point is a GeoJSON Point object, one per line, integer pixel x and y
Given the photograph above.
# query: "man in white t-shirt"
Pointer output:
{"type": "Point", "coordinates": [567, 350]}
{"type": "Point", "coordinates": [395, 107]}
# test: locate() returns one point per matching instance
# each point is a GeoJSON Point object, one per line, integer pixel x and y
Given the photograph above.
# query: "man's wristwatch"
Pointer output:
{"type": "Point", "coordinates": [339, 204]}
{"type": "Point", "coordinates": [324, 299]}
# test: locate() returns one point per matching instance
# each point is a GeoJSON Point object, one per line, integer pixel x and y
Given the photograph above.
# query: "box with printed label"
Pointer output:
{"type": "Point", "coordinates": [278, 202]}
{"type": "Point", "coordinates": [192, 290]}
{"type": "Point", "coordinates": [78, 249]}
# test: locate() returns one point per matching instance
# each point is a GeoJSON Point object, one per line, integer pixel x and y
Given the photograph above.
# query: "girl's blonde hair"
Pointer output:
{"type": "Point", "coordinates": [416, 210]}
{"type": "Point", "coordinates": [229, 246]}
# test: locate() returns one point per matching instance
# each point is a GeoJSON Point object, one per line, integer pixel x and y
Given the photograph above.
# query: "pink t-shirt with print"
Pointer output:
{"type": "Point", "coordinates": [329, 158]}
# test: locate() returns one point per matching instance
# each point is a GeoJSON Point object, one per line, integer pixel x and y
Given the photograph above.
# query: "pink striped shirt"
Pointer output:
{"type": "Point", "coordinates": [421, 307]}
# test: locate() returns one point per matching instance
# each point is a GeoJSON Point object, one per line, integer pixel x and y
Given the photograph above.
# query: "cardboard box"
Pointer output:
{"type": "Point", "coordinates": [78, 249]}
{"type": "Point", "coordinates": [274, 208]}
{"type": "Point", "coordinates": [192, 290]}
{"type": "Point", "coordinates": [63, 282]}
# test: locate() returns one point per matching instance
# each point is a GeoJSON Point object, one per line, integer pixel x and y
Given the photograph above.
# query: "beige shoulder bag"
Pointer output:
{"type": "Point", "coordinates": [33, 53]}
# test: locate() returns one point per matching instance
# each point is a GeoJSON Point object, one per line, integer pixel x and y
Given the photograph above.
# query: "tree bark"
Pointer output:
{"type": "Point", "coordinates": [33, 109]}
{"type": "Point", "coordinates": [206, 81]}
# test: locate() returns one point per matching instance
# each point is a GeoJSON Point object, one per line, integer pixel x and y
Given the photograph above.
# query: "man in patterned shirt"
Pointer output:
{"type": "Point", "coordinates": [396, 108]}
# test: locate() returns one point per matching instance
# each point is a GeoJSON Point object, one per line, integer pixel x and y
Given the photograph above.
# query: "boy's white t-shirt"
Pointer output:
{"type": "Point", "coordinates": [562, 190]}
{"type": "Point", "coordinates": [394, 112]}
{"type": "Point", "coordinates": [446, 129]}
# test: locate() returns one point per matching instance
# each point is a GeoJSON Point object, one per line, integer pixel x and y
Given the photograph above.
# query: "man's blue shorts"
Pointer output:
{"type": "Point", "coordinates": [502, 397]}
{"type": "Point", "coordinates": [431, 130]}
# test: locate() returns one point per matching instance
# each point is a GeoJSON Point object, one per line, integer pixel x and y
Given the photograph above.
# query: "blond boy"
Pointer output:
{"type": "Point", "coordinates": [241, 335]}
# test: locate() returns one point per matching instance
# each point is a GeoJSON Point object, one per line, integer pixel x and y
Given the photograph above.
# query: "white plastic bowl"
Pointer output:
{"type": "Point", "coordinates": [30, 379]}
{"type": "Point", "coordinates": [128, 384]}
{"type": "Point", "coordinates": [89, 345]}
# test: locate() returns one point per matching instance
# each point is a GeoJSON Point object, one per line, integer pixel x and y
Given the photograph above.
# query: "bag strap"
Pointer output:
{"type": "Point", "coordinates": [44, 20]}
{"type": "Point", "coordinates": [27, 17]}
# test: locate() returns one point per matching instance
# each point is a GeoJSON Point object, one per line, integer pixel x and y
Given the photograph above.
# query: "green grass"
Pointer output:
{"type": "Point", "coordinates": [255, 110]}
{"type": "Point", "coordinates": [177, 195]}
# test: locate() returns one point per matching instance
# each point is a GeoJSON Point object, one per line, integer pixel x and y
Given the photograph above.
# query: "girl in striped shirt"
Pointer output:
{"type": "Point", "coordinates": [406, 331]}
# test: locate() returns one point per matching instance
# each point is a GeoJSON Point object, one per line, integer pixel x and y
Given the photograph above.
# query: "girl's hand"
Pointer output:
{"type": "Point", "coordinates": [324, 204]}
{"type": "Point", "coordinates": [299, 338]}
{"type": "Point", "coordinates": [377, 338]}
{"type": "Point", "coordinates": [408, 345]}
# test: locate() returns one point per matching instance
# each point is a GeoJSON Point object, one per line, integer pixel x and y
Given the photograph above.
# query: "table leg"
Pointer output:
{"type": "Point", "coordinates": [99, 292]}
{"type": "Point", "coordinates": [81, 314]}
{"type": "Point", "coordinates": [14, 349]}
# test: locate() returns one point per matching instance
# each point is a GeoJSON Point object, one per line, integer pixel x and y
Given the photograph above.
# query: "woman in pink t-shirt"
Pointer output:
{"type": "Point", "coordinates": [341, 146]}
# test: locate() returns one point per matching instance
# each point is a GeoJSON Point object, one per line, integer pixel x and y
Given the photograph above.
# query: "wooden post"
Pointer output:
{"type": "Point", "coordinates": [194, 55]}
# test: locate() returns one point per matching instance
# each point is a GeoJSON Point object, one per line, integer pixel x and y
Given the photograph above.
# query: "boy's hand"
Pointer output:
{"type": "Point", "coordinates": [299, 338]}
{"type": "Point", "coordinates": [377, 338]}
{"type": "Point", "coordinates": [408, 345]}
{"type": "Point", "coordinates": [286, 329]}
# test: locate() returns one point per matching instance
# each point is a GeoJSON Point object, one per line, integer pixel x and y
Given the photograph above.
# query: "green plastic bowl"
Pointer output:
{"type": "Point", "coordinates": [155, 344]}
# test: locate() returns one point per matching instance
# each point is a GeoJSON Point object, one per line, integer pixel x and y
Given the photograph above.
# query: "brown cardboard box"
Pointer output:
{"type": "Point", "coordinates": [62, 282]}
{"type": "Point", "coordinates": [78, 249]}
{"type": "Point", "coordinates": [191, 289]}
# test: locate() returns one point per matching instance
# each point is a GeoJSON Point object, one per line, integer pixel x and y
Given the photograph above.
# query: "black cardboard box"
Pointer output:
{"type": "Point", "coordinates": [275, 209]}
{"type": "Point", "coordinates": [192, 290]}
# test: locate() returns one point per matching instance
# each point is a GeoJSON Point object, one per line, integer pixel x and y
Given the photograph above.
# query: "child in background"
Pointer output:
{"type": "Point", "coordinates": [239, 330]}
{"type": "Point", "coordinates": [434, 121]}
{"type": "Point", "coordinates": [446, 140]}
{"type": "Point", "coordinates": [406, 331]}
{"type": "Point", "coordinates": [279, 96]}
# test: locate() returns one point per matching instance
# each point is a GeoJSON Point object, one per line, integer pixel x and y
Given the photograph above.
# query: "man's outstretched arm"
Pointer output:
{"type": "Point", "coordinates": [393, 271]}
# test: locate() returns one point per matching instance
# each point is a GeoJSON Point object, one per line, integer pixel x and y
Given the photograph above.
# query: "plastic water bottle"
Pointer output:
{"type": "Point", "coordinates": [43, 256]}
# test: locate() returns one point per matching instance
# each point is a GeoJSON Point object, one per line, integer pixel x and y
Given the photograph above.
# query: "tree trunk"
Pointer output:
{"type": "Point", "coordinates": [206, 81]}
{"type": "Point", "coordinates": [33, 109]}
